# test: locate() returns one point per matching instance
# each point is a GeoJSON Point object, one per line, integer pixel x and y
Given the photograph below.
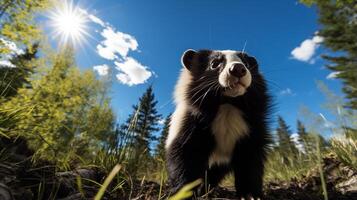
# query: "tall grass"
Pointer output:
{"type": "Point", "coordinates": [106, 183]}
{"type": "Point", "coordinates": [280, 168]}
{"type": "Point", "coordinates": [121, 151]}
{"type": "Point", "coordinates": [321, 171]}
{"type": "Point", "coordinates": [346, 150]}
{"type": "Point", "coordinates": [186, 191]}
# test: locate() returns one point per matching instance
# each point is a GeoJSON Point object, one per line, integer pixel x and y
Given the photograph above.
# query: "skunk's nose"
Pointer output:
{"type": "Point", "coordinates": [238, 70]}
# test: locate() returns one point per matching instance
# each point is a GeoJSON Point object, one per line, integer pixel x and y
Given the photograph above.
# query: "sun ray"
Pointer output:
{"type": "Point", "coordinates": [69, 22]}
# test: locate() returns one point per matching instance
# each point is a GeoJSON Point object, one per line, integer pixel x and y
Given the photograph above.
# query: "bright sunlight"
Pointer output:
{"type": "Point", "coordinates": [69, 23]}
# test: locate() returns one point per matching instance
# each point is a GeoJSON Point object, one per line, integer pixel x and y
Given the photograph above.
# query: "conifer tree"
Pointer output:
{"type": "Point", "coordinates": [13, 78]}
{"type": "Point", "coordinates": [286, 147]}
{"type": "Point", "coordinates": [339, 28]}
{"type": "Point", "coordinates": [160, 149]}
{"type": "Point", "coordinates": [302, 133]}
{"type": "Point", "coordinates": [141, 125]}
{"type": "Point", "coordinates": [301, 130]}
{"type": "Point", "coordinates": [309, 140]}
{"type": "Point", "coordinates": [147, 120]}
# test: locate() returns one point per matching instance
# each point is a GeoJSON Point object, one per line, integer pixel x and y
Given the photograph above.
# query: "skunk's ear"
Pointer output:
{"type": "Point", "coordinates": [249, 60]}
{"type": "Point", "coordinates": [187, 58]}
{"type": "Point", "coordinates": [252, 62]}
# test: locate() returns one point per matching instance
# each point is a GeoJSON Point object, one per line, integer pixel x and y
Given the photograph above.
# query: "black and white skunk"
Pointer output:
{"type": "Point", "coordinates": [220, 124]}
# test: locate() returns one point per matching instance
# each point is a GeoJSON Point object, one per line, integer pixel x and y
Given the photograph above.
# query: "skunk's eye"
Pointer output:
{"type": "Point", "coordinates": [215, 64]}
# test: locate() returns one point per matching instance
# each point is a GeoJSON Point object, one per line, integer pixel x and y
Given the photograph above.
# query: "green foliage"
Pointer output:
{"type": "Point", "coordinates": [13, 78]}
{"type": "Point", "coordinates": [17, 22]}
{"type": "Point", "coordinates": [309, 140]}
{"type": "Point", "coordinates": [160, 149]}
{"type": "Point", "coordinates": [339, 28]}
{"type": "Point", "coordinates": [304, 138]}
{"type": "Point", "coordinates": [186, 191]}
{"type": "Point", "coordinates": [287, 167]}
{"type": "Point", "coordinates": [286, 147]}
{"type": "Point", "coordinates": [312, 2]}
{"type": "Point", "coordinates": [140, 126]}
{"type": "Point", "coordinates": [63, 115]}
{"type": "Point", "coordinates": [286, 162]}
{"type": "Point", "coordinates": [147, 120]}
{"type": "Point", "coordinates": [106, 183]}
{"type": "Point", "coordinates": [346, 150]}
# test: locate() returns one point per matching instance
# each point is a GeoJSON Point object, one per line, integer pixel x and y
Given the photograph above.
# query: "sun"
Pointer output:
{"type": "Point", "coordinates": [69, 22]}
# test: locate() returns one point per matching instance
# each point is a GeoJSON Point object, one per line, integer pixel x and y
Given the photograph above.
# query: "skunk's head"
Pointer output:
{"type": "Point", "coordinates": [219, 73]}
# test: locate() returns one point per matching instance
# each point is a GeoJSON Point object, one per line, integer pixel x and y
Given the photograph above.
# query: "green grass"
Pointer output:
{"type": "Point", "coordinates": [106, 183]}
{"type": "Point", "coordinates": [186, 191]}
{"type": "Point", "coordinates": [279, 168]}
{"type": "Point", "coordinates": [117, 161]}
{"type": "Point", "coordinates": [346, 151]}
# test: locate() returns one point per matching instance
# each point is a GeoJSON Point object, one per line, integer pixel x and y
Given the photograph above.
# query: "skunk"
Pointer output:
{"type": "Point", "coordinates": [220, 124]}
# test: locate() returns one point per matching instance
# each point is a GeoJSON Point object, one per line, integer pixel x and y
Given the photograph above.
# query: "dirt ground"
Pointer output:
{"type": "Point", "coordinates": [20, 180]}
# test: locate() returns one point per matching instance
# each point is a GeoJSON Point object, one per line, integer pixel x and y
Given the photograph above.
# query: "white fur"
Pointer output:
{"type": "Point", "coordinates": [175, 124]}
{"type": "Point", "coordinates": [228, 127]}
{"type": "Point", "coordinates": [232, 120]}
{"type": "Point", "coordinates": [182, 107]}
{"type": "Point", "coordinates": [229, 81]}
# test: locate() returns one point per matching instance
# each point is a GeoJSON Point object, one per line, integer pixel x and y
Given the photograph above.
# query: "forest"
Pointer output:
{"type": "Point", "coordinates": [60, 137]}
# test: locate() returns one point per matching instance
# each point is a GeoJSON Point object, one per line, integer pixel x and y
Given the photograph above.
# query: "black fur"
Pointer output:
{"type": "Point", "coordinates": [188, 154]}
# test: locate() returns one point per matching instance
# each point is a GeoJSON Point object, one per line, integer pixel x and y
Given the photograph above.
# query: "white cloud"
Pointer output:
{"type": "Point", "coordinates": [116, 42]}
{"type": "Point", "coordinates": [115, 47]}
{"type": "Point", "coordinates": [6, 63]}
{"type": "Point", "coordinates": [161, 121]}
{"type": "Point", "coordinates": [11, 46]}
{"type": "Point", "coordinates": [332, 75]}
{"type": "Point", "coordinates": [105, 52]}
{"type": "Point", "coordinates": [287, 92]}
{"type": "Point", "coordinates": [102, 70]}
{"type": "Point", "coordinates": [92, 17]}
{"type": "Point", "coordinates": [13, 51]}
{"type": "Point", "coordinates": [96, 20]}
{"type": "Point", "coordinates": [307, 49]}
{"type": "Point", "coordinates": [296, 139]}
{"type": "Point", "coordinates": [132, 72]}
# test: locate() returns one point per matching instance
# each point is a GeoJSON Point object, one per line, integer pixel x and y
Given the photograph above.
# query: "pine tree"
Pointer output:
{"type": "Point", "coordinates": [286, 147]}
{"type": "Point", "coordinates": [13, 78]}
{"type": "Point", "coordinates": [301, 130]}
{"type": "Point", "coordinates": [302, 133]}
{"type": "Point", "coordinates": [160, 149]}
{"type": "Point", "coordinates": [307, 140]}
{"type": "Point", "coordinates": [141, 124]}
{"type": "Point", "coordinates": [310, 140]}
{"type": "Point", "coordinates": [147, 120]}
{"type": "Point", "coordinates": [339, 28]}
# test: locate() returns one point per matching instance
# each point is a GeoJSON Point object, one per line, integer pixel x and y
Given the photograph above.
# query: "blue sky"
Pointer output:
{"type": "Point", "coordinates": [141, 42]}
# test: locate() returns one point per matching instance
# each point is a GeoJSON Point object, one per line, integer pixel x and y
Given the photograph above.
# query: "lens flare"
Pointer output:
{"type": "Point", "coordinates": [69, 22]}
